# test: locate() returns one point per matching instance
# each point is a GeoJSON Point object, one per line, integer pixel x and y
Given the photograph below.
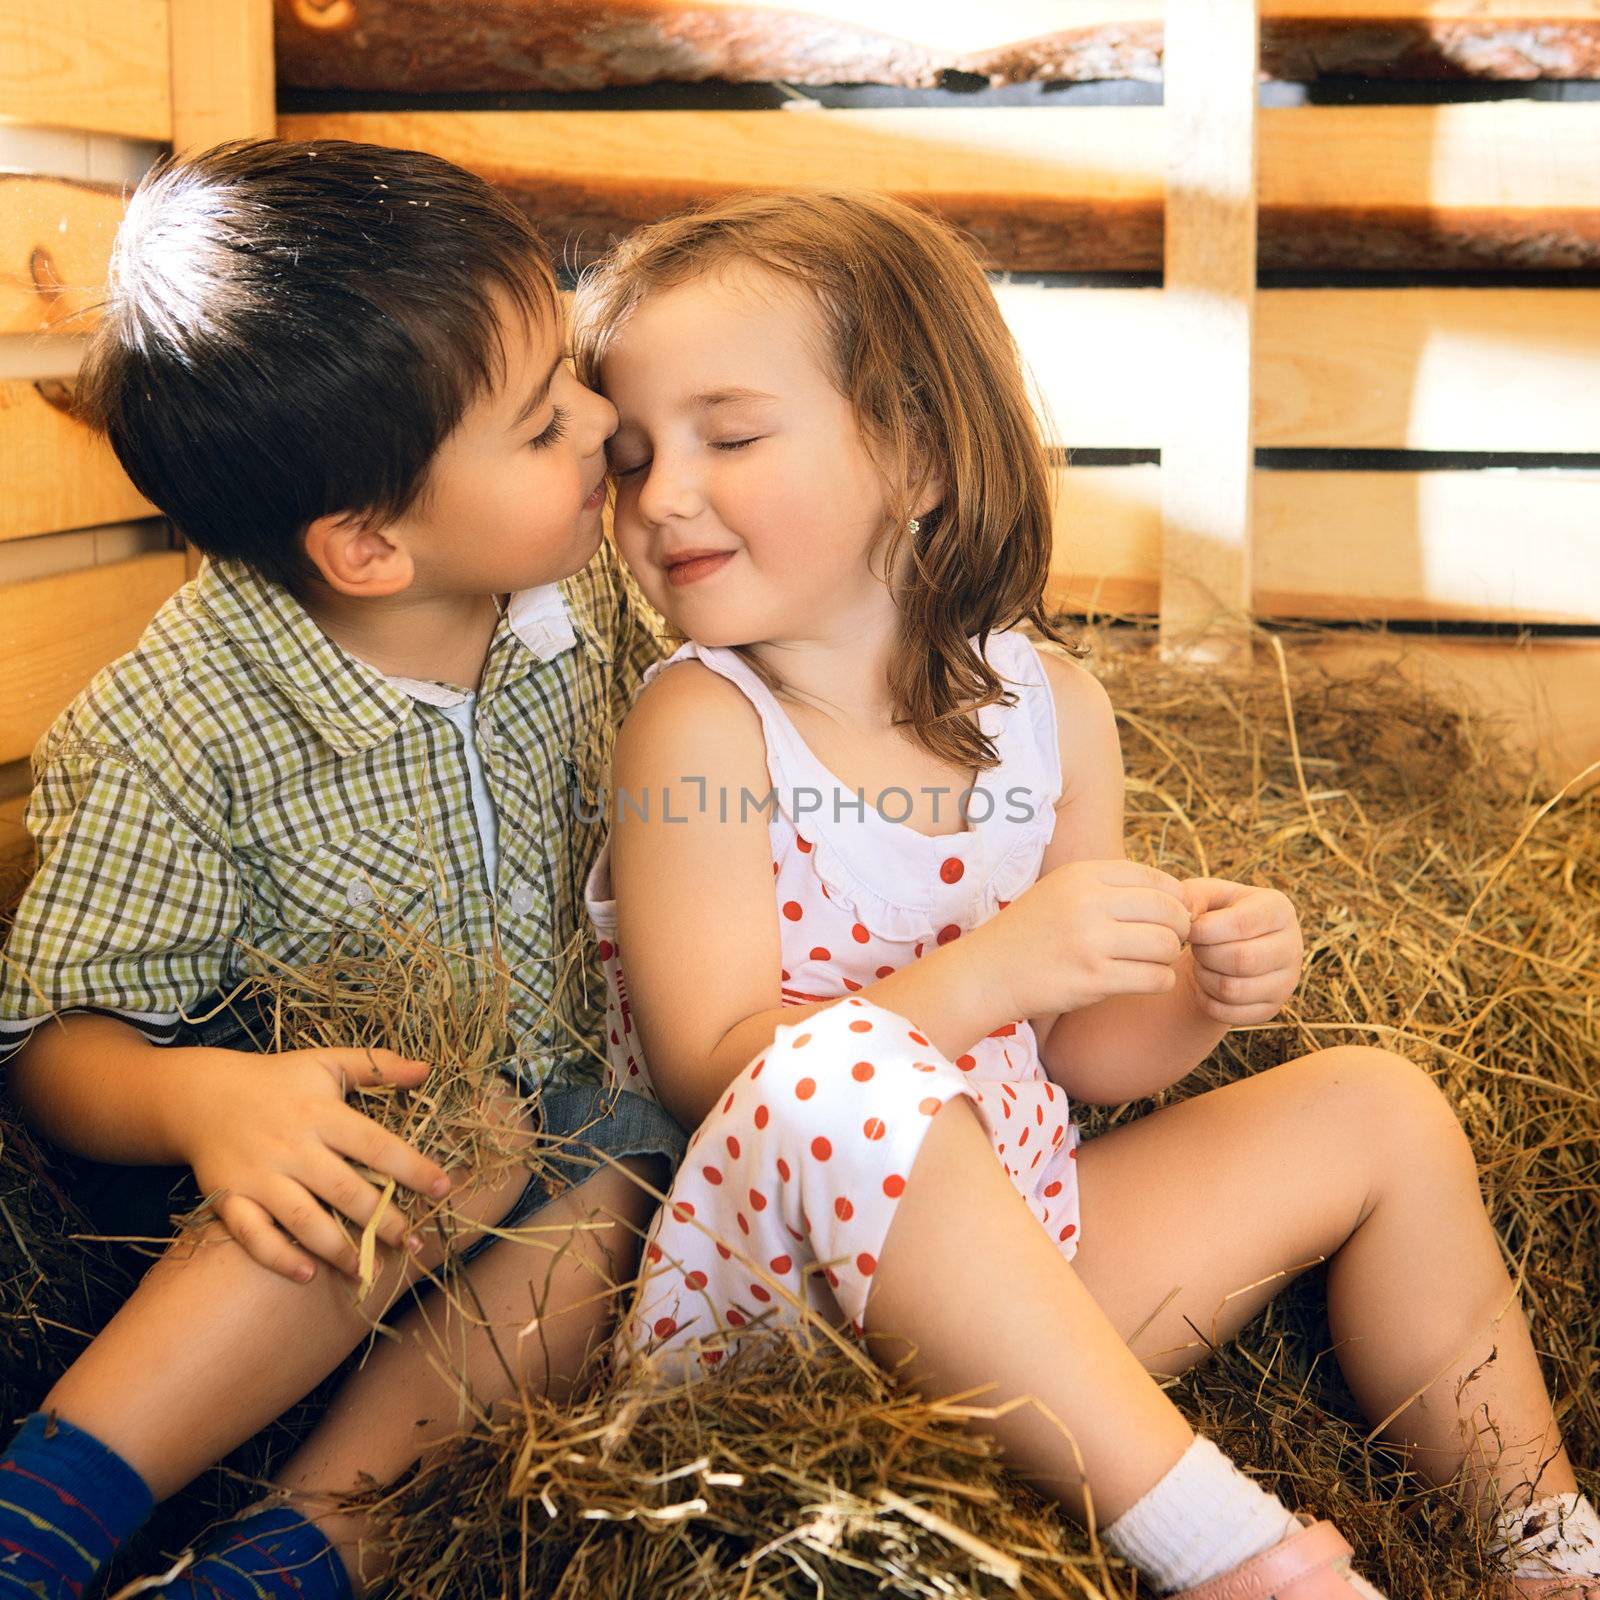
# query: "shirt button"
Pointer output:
{"type": "Point", "coordinates": [520, 900]}
{"type": "Point", "coordinates": [951, 870]}
{"type": "Point", "coordinates": [359, 893]}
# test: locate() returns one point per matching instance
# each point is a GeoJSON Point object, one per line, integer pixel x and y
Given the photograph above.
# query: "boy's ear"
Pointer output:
{"type": "Point", "coordinates": [357, 559]}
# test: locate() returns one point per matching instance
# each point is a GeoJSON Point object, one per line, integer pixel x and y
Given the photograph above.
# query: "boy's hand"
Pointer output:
{"type": "Point", "coordinates": [275, 1135]}
{"type": "Point", "coordinates": [1246, 946]}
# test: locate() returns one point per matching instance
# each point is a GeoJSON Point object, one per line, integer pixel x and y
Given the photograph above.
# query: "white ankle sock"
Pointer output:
{"type": "Point", "coordinates": [1557, 1534]}
{"type": "Point", "coordinates": [1204, 1518]}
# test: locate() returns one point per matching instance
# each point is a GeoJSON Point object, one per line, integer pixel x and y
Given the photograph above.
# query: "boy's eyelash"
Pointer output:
{"type": "Point", "coordinates": [553, 430]}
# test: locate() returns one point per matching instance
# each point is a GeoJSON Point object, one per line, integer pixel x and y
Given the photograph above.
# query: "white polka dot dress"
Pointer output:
{"type": "Point", "coordinates": [789, 1187]}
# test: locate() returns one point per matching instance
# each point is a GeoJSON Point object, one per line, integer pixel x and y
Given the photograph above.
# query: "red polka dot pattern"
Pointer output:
{"type": "Point", "coordinates": [855, 1094]}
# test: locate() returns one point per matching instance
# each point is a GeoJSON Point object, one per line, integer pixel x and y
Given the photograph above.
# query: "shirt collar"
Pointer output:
{"type": "Point", "coordinates": [351, 704]}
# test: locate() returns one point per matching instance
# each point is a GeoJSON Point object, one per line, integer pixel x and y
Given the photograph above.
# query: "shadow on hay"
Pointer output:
{"type": "Point", "coordinates": [1451, 913]}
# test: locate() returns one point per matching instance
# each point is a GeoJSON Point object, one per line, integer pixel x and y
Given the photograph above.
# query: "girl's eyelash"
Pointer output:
{"type": "Point", "coordinates": [553, 430]}
{"type": "Point", "coordinates": [716, 444]}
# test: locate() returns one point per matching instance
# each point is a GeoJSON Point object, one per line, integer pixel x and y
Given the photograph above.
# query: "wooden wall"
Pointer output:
{"type": "Point", "coordinates": [1316, 360]}
{"type": "Point", "coordinates": [90, 93]}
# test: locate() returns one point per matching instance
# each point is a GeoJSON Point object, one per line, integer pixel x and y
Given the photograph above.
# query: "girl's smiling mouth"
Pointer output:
{"type": "Point", "coordinates": [691, 568]}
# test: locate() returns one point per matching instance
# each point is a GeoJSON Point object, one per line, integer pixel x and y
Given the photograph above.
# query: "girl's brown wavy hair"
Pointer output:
{"type": "Point", "coordinates": [920, 350]}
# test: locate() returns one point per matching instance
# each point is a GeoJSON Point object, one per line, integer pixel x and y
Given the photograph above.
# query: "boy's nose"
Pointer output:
{"type": "Point", "coordinates": [603, 417]}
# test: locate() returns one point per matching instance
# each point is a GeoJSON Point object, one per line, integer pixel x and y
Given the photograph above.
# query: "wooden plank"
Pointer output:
{"type": "Point", "coordinates": [415, 45]}
{"type": "Point", "coordinates": [1354, 546]}
{"type": "Point", "coordinates": [1429, 369]}
{"type": "Point", "coordinates": [1064, 193]}
{"type": "Point", "coordinates": [1502, 546]}
{"type": "Point", "coordinates": [222, 85]}
{"type": "Point", "coordinates": [22, 560]}
{"type": "Point", "coordinates": [56, 633]}
{"type": "Point", "coordinates": [1508, 184]}
{"type": "Point", "coordinates": [98, 65]}
{"type": "Point", "coordinates": [57, 473]}
{"type": "Point", "coordinates": [55, 244]}
{"type": "Point", "coordinates": [1394, 369]}
{"type": "Point", "coordinates": [1472, 187]}
{"type": "Point", "coordinates": [1209, 325]}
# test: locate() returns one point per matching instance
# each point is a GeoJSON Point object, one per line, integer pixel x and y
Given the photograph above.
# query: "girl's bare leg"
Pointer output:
{"type": "Point", "coordinates": [403, 1403]}
{"type": "Point", "coordinates": [1350, 1153]}
{"type": "Point", "coordinates": [968, 1278]}
{"type": "Point", "coordinates": [1353, 1155]}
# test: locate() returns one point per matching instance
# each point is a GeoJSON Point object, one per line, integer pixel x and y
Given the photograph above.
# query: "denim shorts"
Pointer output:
{"type": "Point", "coordinates": [582, 1124]}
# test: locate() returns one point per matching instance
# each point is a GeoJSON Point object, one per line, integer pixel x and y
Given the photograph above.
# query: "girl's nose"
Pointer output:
{"type": "Point", "coordinates": [668, 491]}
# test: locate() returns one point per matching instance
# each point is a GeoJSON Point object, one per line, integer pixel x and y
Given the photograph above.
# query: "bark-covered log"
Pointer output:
{"type": "Point", "coordinates": [426, 46]}
{"type": "Point", "coordinates": [582, 221]}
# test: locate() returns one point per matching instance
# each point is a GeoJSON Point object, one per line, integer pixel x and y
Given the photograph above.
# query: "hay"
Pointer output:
{"type": "Point", "coordinates": [797, 1471]}
{"type": "Point", "coordinates": [1452, 913]}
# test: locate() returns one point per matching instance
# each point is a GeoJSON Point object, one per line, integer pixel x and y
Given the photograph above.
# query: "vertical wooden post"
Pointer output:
{"type": "Point", "coordinates": [1207, 454]}
{"type": "Point", "coordinates": [222, 81]}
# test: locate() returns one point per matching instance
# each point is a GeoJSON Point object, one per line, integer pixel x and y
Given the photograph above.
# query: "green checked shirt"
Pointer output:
{"type": "Point", "coordinates": [239, 781]}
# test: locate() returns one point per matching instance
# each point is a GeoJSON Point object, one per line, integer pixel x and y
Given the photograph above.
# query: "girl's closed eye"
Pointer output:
{"type": "Point", "coordinates": [620, 467]}
{"type": "Point", "coordinates": [553, 430]}
{"type": "Point", "coordinates": [736, 444]}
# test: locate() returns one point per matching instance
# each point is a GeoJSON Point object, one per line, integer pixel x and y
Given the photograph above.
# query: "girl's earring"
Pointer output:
{"type": "Point", "coordinates": [914, 526]}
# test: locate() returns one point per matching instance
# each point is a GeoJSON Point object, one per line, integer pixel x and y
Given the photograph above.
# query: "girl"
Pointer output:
{"type": "Point", "coordinates": [861, 797]}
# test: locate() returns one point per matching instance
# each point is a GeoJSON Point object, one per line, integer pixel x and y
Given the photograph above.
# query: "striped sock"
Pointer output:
{"type": "Point", "coordinates": [271, 1554]}
{"type": "Point", "coordinates": [66, 1505]}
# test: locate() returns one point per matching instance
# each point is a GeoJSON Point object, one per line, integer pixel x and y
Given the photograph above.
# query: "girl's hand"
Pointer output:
{"type": "Point", "coordinates": [1086, 931]}
{"type": "Point", "coordinates": [274, 1135]}
{"type": "Point", "coordinates": [1247, 949]}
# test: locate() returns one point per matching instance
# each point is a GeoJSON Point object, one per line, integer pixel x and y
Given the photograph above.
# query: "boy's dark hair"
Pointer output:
{"type": "Point", "coordinates": [293, 328]}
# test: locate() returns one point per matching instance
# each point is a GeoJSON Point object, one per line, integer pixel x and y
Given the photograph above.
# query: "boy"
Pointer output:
{"type": "Point", "coordinates": [339, 370]}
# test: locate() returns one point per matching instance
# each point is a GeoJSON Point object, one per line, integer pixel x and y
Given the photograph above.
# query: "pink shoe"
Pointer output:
{"type": "Point", "coordinates": [1313, 1564]}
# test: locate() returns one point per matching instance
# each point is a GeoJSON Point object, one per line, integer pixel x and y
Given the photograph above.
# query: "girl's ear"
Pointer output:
{"type": "Point", "coordinates": [357, 559]}
{"type": "Point", "coordinates": [932, 495]}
